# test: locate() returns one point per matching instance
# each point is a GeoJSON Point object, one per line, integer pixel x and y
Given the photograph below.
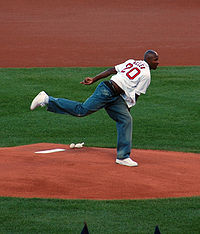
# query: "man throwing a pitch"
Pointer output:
{"type": "Point", "coordinates": [129, 80]}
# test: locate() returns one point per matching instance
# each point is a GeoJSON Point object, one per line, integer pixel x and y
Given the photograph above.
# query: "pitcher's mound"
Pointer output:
{"type": "Point", "coordinates": [91, 173]}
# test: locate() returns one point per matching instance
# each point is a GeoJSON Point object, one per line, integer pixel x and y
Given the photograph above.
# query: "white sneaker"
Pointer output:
{"type": "Point", "coordinates": [40, 100]}
{"type": "Point", "coordinates": [127, 162]}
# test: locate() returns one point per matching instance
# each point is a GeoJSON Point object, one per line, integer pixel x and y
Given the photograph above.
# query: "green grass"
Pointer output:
{"type": "Point", "coordinates": [166, 118]}
{"type": "Point", "coordinates": [19, 215]}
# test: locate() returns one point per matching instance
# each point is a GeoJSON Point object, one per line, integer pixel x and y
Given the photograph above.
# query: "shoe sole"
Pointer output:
{"type": "Point", "coordinates": [128, 165]}
{"type": "Point", "coordinates": [35, 102]}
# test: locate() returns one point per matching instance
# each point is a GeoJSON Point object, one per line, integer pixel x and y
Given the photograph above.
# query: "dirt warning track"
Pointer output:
{"type": "Point", "coordinates": [91, 173]}
{"type": "Point", "coordinates": [97, 33]}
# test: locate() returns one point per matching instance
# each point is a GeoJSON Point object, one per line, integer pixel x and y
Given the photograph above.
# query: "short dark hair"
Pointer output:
{"type": "Point", "coordinates": [149, 53]}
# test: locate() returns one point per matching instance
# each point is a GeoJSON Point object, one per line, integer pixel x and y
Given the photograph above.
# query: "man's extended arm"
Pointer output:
{"type": "Point", "coordinates": [104, 74]}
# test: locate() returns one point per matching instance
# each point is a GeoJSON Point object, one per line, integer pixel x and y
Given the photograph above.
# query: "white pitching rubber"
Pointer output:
{"type": "Point", "coordinates": [49, 151]}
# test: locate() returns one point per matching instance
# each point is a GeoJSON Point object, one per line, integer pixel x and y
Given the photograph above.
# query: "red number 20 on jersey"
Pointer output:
{"type": "Point", "coordinates": [131, 72]}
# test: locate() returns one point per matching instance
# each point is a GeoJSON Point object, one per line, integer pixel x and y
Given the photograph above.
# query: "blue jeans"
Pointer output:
{"type": "Point", "coordinates": [103, 97]}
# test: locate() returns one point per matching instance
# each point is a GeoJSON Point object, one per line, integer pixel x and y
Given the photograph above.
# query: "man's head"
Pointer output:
{"type": "Point", "coordinates": [151, 57]}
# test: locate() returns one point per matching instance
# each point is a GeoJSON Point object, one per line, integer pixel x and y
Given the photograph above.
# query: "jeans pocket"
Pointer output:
{"type": "Point", "coordinates": [106, 91]}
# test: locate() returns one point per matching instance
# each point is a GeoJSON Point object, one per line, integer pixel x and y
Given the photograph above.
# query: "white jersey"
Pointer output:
{"type": "Point", "coordinates": [133, 76]}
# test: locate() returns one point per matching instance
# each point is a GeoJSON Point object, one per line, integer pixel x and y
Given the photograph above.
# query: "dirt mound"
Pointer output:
{"type": "Point", "coordinates": [91, 173]}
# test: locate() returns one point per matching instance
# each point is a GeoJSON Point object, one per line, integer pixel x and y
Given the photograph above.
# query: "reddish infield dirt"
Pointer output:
{"type": "Point", "coordinates": [91, 173]}
{"type": "Point", "coordinates": [97, 33]}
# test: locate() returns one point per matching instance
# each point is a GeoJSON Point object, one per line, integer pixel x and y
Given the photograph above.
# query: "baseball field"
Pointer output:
{"type": "Point", "coordinates": [53, 46]}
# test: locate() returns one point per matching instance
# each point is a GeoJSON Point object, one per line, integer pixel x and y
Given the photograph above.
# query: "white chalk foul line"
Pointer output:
{"type": "Point", "coordinates": [49, 151]}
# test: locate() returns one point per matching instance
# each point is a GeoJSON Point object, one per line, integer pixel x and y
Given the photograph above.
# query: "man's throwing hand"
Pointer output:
{"type": "Point", "coordinates": [87, 81]}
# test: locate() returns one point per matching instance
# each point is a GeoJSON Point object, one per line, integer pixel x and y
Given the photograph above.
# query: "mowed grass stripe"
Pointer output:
{"type": "Point", "coordinates": [177, 216]}
{"type": "Point", "coordinates": [166, 118]}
